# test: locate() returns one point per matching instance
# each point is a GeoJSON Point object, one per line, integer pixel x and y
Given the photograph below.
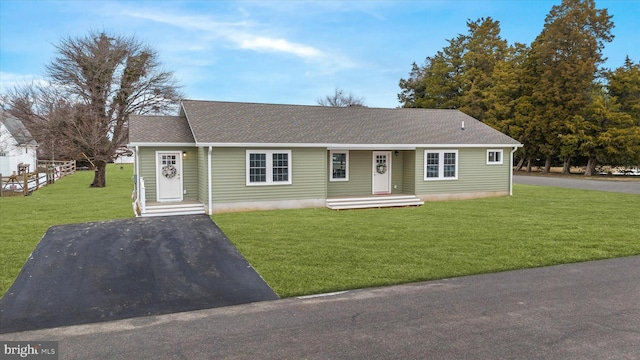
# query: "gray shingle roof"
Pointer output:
{"type": "Point", "coordinates": [216, 122]}
{"type": "Point", "coordinates": [159, 129]}
{"type": "Point", "coordinates": [17, 129]}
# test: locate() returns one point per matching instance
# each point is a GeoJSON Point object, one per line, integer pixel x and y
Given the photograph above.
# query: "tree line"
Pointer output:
{"type": "Point", "coordinates": [552, 95]}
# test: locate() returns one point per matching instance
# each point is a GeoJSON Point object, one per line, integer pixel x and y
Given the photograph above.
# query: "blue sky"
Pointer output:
{"type": "Point", "coordinates": [290, 52]}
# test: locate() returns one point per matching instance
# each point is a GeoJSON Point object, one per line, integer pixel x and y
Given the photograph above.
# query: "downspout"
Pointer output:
{"type": "Point", "coordinates": [209, 181]}
{"type": "Point", "coordinates": [513, 150]}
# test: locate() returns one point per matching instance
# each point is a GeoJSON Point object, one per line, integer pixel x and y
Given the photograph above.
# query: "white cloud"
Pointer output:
{"type": "Point", "coordinates": [260, 43]}
{"type": "Point", "coordinates": [238, 33]}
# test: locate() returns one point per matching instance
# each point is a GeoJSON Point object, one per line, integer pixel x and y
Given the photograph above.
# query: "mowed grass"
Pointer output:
{"type": "Point", "coordinates": [308, 251]}
{"type": "Point", "coordinates": [24, 220]}
{"type": "Point", "coordinates": [318, 250]}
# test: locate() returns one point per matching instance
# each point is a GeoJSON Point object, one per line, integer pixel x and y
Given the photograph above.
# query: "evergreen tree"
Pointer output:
{"type": "Point", "coordinates": [437, 84]}
{"type": "Point", "coordinates": [508, 106]}
{"type": "Point", "coordinates": [563, 64]}
{"type": "Point", "coordinates": [608, 133]}
{"type": "Point", "coordinates": [460, 75]}
{"type": "Point", "coordinates": [624, 84]}
{"type": "Point", "coordinates": [484, 50]}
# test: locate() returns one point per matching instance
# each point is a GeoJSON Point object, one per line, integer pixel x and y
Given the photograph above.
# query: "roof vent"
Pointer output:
{"type": "Point", "coordinates": [462, 127]}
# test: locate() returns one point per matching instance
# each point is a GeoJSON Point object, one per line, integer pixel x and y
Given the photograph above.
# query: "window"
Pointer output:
{"type": "Point", "coordinates": [441, 164]}
{"type": "Point", "coordinates": [494, 156]}
{"type": "Point", "coordinates": [433, 161]}
{"type": "Point", "coordinates": [339, 166]}
{"type": "Point", "coordinates": [257, 168]}
{"type": "Point", "coordinates": [268, 167]}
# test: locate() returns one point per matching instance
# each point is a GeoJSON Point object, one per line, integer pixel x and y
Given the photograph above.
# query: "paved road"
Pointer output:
{"type": "Point", "coordinates": [579, 311]}
{"type": "Point", "coordinates": [629, 187]}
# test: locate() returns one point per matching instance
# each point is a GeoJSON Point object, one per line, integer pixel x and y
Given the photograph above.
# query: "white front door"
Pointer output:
{"type": "Point", "coordinates": [382, 172]}
{"type": "Point", "coordinates": [169, 175]}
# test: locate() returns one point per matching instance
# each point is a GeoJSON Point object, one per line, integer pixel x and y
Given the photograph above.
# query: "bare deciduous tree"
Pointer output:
{"type": "Point", "coordinates": [96, 82]}
{"type": "Point", "coordinates": [340, 99]}
{"type": "Point", "coordinates": [43, 111]}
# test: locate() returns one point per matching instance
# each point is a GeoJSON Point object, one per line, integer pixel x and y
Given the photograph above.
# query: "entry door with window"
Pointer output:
{"type": "Point", "coordinates": [169, 176]}
{"type": "Point", "coordinates": [382, 172]}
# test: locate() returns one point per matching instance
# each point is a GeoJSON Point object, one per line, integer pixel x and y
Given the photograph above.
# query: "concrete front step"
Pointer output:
{"type": "Point", "coordinates": [373, 202]}
{"type": "Point", "coordinates": [169, 209]}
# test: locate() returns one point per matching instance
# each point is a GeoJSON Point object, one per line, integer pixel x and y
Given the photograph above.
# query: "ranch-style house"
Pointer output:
{"type": "Point", "coordinates": [219, 156]}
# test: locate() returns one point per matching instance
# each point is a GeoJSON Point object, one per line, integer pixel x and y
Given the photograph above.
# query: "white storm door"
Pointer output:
{"type": "Point", "coordinates": [169, 175]}
{"type": "Point", "coordinates": [382, 172]}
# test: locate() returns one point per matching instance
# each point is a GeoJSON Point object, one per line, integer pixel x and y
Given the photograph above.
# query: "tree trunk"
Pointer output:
{"type": "Point", "coordinates": [547, 165]}
{"type": "Point", "coordinates": [528, 165]}
{"type": "Point", "coordinates": [520, 164]}
{"type": "Point", "coordinates": [99, 177]}
{"type": "Point", "coordinates": [566, 166]}
{"type": "Point", "coordinates": [591, 165]}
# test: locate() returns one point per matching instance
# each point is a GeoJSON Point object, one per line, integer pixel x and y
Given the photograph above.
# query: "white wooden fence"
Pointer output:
{"type": "Point", "coordinates": [47, 173]}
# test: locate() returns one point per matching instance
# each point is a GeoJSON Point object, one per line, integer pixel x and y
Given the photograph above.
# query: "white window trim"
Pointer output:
{"type": "Point", "coordinates": [440, 165]}
{"type": "Point", "coordinates": [495, 162]}
{"type": "Point", "coordinates": [269, 156]}
{"type": "Point", "coordinates": [331, 178]}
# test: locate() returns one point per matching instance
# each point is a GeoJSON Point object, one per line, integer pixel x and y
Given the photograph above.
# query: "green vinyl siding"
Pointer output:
{"type": "Point", "coordinates": [147, 166]}
{"type": "Point", "coordinates": [203, 171]}
{"type": "Point", "coordinates": [397, 172]}
{"type": "Point", "coordinates": [229, 176]}
{"type": "Point", "coordinates": [474, 175]}
{"type": "Point", "coordinates": [360, 175]}
{"type": "Point", "coordinates": [409, 172]}
{"type": "Point", "coordinates": [189, 176]}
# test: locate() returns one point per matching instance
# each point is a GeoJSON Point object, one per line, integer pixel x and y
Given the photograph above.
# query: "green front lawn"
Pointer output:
{"type": "Point", "coordinates": [319, 250]}
{"type": "Point", "coordinates": [24, 220]}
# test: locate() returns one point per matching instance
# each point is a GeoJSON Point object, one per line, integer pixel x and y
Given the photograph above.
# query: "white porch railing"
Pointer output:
{"type": "Point", "coordinates": [139, 198]}
{"type": "Point", "coordinates": [152, 208]}
{"type": "Point", "coordinates": [142, 198]}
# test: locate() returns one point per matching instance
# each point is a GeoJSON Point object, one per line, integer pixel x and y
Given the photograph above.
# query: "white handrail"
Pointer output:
{"type": "Point", "coordinates": [142, 197]}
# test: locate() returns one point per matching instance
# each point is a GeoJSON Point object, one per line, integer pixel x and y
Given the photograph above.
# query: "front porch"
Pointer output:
{"type": "Point", "coordinates": [372, 201]}
{"type": "Point", "coordinates": [144, 208]}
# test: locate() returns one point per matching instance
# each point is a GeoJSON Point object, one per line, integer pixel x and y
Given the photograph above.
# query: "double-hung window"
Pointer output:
{"type": "Point", "coordinates": [268, 167]}
{"type": "Point", "coordinates": [339, 165]}
{"type": "Point", "coordinates": [494, 156]}
{"type": "Point", "coordinates": [441, 164]}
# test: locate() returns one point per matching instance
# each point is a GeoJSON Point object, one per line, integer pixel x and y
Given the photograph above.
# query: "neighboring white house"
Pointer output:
{"type": "Point", "coordinates": [17, 146]}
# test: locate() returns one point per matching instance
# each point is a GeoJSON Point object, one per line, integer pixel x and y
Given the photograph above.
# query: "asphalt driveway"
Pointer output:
{"type": "Point", "coordinates": [102, 271]}
{"type": "Point", "coordinates": [629, 187]}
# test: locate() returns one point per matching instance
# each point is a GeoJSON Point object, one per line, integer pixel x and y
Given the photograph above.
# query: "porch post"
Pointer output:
{"type": "Point", "coordinates": [513, 150]}
{"type": "Point", "coordinates": [137, 170]}
{"type": "Point", "coordinates": [209, 180]}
